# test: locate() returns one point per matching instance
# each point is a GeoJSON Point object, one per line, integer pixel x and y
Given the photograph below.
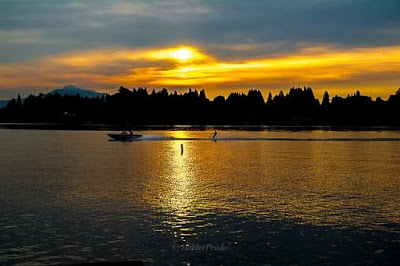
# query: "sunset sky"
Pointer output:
{"type": "Point", "coordinates": [221, 46]}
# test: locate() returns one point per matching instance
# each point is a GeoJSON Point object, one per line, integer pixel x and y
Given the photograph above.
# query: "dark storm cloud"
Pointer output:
{"type": "Point", "coordinates": [234, 28]}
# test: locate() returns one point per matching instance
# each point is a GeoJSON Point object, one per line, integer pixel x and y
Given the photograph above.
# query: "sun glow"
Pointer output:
{"type": "Point", "coordinates": [374, 71]}
{"type": "Point", "coordinates": [182, 54]}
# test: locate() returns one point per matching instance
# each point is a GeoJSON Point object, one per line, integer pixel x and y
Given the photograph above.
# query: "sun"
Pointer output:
{"type": "Point", "coordinates": [182, 54]}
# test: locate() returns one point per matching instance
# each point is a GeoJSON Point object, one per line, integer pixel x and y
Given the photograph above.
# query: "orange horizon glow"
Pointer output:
{"type": "Point", "coordinates": [373, 71]}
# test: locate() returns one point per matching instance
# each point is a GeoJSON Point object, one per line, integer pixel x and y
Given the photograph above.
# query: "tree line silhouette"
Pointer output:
{"type": "Point", "coordinates": [139, 107]}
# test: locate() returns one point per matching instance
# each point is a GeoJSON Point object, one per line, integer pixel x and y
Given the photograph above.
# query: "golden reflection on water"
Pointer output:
{"type": "Point", "coordinates": [179, 192]}
{"type": "Point", "coordinates": [340, 184]}
{"type": "Point", "coordinates": [214, 190]}
{"type": "Point", "coordinates": [63, 193]}
{"type": "Point", "coordinates": [179, 170]}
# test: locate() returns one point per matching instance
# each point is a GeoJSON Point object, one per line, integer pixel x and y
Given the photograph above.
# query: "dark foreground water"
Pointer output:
{"type": "Point", "coordinates": [266, 197]}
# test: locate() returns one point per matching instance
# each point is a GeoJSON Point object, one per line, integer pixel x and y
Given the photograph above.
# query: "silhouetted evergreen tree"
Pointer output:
{"type": "Point", "coordinates": [394, 108]}
{"type": "Point", "coordinates": [325, 99]}
{"type": "Point", "coordinates": [325, 110]}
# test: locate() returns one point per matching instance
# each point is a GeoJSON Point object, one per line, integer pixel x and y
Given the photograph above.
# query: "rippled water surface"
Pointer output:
{"type": "Point", "coordinates": [262, 197]}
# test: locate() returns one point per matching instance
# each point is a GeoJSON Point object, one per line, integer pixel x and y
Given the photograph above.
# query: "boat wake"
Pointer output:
{"type": "Point", "coordinates": [154, 138]}
{"type": "Point", "coordinates": [166, 138]}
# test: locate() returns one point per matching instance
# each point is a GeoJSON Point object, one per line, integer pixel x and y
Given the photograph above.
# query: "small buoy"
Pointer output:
{"type": "Point", "coordinates": [181, 149]}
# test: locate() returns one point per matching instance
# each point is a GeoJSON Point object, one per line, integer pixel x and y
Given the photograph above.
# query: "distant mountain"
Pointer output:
{"type": "Point", "coordinates": [73, 90]}
{"type": "Point", "coordinates": [67, 90]}
{"type": "Point", "coordinates": [3, 103]}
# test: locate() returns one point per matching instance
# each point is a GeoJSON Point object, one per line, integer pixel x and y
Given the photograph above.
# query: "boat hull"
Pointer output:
{"type": "Point", "coordinates": [124, 137]}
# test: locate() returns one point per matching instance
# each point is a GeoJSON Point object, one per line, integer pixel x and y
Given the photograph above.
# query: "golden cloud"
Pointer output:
{"type": "Point", "coordinates": [375, 69]}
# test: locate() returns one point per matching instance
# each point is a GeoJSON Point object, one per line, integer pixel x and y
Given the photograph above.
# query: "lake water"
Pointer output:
{"type": "Point", "coordinates": [251, 197]}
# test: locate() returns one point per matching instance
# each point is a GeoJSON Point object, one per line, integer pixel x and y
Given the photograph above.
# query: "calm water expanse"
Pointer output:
{"type": "Point", "coordinates": [251, 197]}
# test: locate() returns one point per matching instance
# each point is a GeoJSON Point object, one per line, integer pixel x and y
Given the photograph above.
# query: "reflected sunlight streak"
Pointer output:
{"type": "Point", "coordinates": [179, 196]}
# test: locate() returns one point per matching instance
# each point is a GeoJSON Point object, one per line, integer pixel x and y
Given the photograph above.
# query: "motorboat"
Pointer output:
{"type": "Point", "coordinates": [124, 135]}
